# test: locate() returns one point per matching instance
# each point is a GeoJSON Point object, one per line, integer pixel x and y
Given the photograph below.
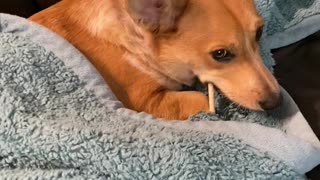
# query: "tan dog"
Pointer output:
{"type": "Point", "coordinates": [147, 49]}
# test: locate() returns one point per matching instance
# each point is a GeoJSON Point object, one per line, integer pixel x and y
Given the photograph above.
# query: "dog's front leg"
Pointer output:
{"type": "Point", "coordinates": [175, 105]}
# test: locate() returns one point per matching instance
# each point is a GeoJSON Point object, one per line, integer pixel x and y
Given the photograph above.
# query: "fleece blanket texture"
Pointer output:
{"type": "Point", "coordinates": [59, 120]}
{"type": "Point", "coordinates": [286, 22]}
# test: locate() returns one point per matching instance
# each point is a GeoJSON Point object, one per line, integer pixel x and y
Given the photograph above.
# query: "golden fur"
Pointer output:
{"type": "Point", "coordinates": [146, 49]}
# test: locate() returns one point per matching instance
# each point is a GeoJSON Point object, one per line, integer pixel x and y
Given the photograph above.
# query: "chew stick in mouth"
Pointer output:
{"type": "Point", "coordinates": [211, 97]}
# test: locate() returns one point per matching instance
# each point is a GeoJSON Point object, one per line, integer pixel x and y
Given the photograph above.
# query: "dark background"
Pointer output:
{"type": "Point", "coordinates": [297, 69]}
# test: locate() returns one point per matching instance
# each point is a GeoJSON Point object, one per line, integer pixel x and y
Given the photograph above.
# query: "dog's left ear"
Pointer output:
{"type": "Point", "coordinates": [157, 15]}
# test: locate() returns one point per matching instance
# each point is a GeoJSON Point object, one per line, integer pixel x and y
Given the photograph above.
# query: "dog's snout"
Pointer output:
{"type": "Point", "coordinates": [271, 102]}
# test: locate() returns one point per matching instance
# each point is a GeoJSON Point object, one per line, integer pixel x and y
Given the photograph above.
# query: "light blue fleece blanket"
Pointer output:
{"type": "Point", "coordinates": [59, 120]}
{"type": "Point", "coordinates": [286, 22]}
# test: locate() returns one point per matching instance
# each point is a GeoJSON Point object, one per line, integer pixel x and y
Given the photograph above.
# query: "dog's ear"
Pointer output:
{"type": "Point", "coordinates": [157, 15]}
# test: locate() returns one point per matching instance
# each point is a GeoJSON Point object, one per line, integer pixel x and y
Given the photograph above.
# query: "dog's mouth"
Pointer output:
{"type": "Point", "coordinates": [225, 108]}
{"type": "Point", "coordinates": [221, 99]}
{"type": "Point", "coordinates": [196, 85]}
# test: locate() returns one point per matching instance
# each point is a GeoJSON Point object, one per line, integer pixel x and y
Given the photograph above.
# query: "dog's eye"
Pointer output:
{"type": "Point", "coordinates": [259, 33]}
{"type": "Point", "coordinates": [222, 55]}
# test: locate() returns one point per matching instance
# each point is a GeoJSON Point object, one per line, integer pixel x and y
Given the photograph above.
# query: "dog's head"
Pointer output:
{"type": "Point", "coordinates": [214, 40]}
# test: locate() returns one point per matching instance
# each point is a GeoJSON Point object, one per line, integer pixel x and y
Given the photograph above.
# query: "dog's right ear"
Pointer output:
{"type": "Point", "coordinates": [157, 15]}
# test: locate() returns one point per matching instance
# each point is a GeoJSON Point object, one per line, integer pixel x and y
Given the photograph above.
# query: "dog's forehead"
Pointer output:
{"type": "Point", "coordinates": [243, 11]}
{"type": "Point", "coordinates": [242, 8]}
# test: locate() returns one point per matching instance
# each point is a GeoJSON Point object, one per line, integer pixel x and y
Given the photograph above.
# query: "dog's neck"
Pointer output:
{"type": "Point", "coordinates": [105, 18]}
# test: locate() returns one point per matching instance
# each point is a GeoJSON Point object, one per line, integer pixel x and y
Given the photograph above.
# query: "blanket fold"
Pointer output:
{"type": "Point", "coordinates": [59, 120]}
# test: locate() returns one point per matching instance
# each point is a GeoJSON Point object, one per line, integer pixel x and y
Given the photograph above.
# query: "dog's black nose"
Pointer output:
{"type": "Point", "coordinates": [273, 101]}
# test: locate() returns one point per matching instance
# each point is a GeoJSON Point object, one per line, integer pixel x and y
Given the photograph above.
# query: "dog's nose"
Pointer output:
{"type": "Point", "coordinates": [273, 101]}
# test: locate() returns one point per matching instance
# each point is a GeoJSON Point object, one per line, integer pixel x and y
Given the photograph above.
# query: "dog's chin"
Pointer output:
{"type": "Point", "coordinates": [252, 106]}
{"type": "Point", "coordinates": [256, 108]}
{"type": "Point", "coordinates": [249, 106]}
{"type": "Point", "coordinates": [202, 87]}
